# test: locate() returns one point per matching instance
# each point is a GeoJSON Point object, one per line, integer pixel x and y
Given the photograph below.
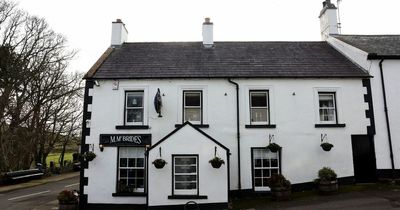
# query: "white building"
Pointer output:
{"type": "Point", "coordinates": [380, 56]}
{"type": "Point", "coordinates": [223, 99]}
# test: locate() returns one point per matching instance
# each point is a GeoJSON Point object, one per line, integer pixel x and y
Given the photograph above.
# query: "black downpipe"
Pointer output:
{"type": "Point", "coordinates": [387, 116]}
{"type": "Point", "coordinates": [237, 130]}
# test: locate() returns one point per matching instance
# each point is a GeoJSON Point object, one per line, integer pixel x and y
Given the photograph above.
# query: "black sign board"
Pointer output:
{"type": "Point", "coordinates": [125, 139]}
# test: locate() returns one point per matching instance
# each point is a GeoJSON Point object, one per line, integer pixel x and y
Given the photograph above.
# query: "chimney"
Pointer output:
{"type": "Point", "coordinates": [119, 34]}
{"type": "Point", "coordinates": [328, 20]}
{"type": "Point", "coordinates": [208, 40]}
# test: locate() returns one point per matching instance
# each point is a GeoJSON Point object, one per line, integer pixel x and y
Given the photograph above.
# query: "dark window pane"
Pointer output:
{"type": "Point", "coordinates": [123, 172]}
{"type": "Point", "coordinates": [192, 99]}
{"type": "Point", "coordinates": [258, 99]}
{"type": "Point", "coordinates": [140, 183]}
{"type": "Point", "coordinates": [257, 173]}
{"type": "Point", "coordinates": [259, 115]}
{"type": "Point", "coordinates": [131, 162]}
{"type": "Point", "coordinates": [274, 171]}
{"type": "Point", "coordinates": [131, 173]}
{"type": "Point", "coordinates": [266, 173]}
{"type": "Point", "coordinates": [265, 162]}
{"type": "Point", "coordinates": [123, 182]}
{"type": "Point", "coordinates": [326, 101]}
{"type": "Point", "coordinates": [185, 161]}
{"type": "Point", "coordinates": [258, 182]}
{"type": "Point", "coordinates": [257, 162]}
{"type": "Point", "coordinates": [140, 173]}
{"type": "Point", "coordinates": [134, 99]}
{"type": "Point", "coordinates": [132, 183]}
{"type": "Point", "coordinates": [134, 115]}
{"type": "Point", "coordinates": [185, 185]}
{"type": "Point", "coordinates": [140, 162]}
{"type": "Point", "coordinates": [122, 162]}
{"type": "Point", "coordinates": [274, 163]}
{"type": "Point", "coordinates": [185, 169]}
{"type": "Point", "coordinates": [265, 182]}
{"type": "Point", "coordinates": [185, 178]}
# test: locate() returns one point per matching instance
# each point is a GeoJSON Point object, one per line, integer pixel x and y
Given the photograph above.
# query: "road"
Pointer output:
{"type": "Point", "coordinates": [37, 198]}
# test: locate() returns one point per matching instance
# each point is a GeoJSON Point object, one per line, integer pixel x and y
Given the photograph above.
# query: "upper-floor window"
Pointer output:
{"type": "Point", "coordinates": [327, 107]}
{"type": "Point", "coordinates": [134, 108]}
{"type": "Point", "coordinates": [259, 107]}
{"type": "Point", "coordinates": [192, 106]}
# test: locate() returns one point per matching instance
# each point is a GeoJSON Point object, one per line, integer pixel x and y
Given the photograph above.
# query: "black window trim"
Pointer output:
{"type": "Point", "coordinates": [173, 196]}
{"type": "Point", "coordinates": [252, 167]}
{"type": "Point", "coordinates": [133, 194]}
{"type": "Point", "coordinates": [201, 105]}
{"type": "Point", "coordinates": [125, 126]}
{"type": "Point", "coordinates": [268, 124]}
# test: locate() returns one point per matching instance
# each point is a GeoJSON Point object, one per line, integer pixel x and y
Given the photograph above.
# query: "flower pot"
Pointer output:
{"type": "Point", "coordinates": [159, 163]}
{"type": "Point", "coordinates": [328, 187]}
{"type": "Point", "coordinates": [281, 193]}
{"type": "Point", "coordinates": [273, 147]}
{"type": "Point", "coordinates": [326, 146]}
{"type": "Point", "coordinates": [216, 164]}
{"type": "Point", "coordinates": [67, 206]}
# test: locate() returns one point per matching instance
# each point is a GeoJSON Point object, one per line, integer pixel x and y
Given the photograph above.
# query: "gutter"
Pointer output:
{"type": "Point", "coordinates": [387, 116]}
{"type": "Point", "coordinates": [237, 130]}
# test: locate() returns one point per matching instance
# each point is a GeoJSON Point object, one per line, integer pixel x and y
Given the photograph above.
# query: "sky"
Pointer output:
{"type": "Point", "coordinates": [87, 23]}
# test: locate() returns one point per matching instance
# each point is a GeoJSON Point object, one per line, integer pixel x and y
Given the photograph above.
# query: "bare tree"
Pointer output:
{"type": "Point", "coordinates": [35, 89]}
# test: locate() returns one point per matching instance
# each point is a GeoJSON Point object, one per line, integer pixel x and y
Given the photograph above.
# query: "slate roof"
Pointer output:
{"type": "Point", "coordinates": [226, 59]}
{"type": "Point", "coordinates": [383, 45]}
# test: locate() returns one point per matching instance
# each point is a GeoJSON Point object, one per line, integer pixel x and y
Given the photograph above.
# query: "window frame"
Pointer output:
{"type": "Point", "coordinates": [333, 93]}
{"type": "Point", "coordinates": [268, 122]}
{"type": "Point", "coordinates": [184, 92]}
{"type": "Point", "coordinates": [126, 92]}
{"type": "Point", "coordinates": [185, 192]}
{"type": "Point", "coordinates": [140, 192]}
{"type": "Point", "coordinates": [279, 158]}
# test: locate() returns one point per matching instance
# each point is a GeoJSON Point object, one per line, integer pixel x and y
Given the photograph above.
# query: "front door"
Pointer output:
{"type": "Point", "coordinates": [364, 158]}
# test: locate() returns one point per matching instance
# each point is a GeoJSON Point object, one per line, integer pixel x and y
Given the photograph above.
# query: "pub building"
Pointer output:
{"type": "Point", "coordinates": [156, 113]}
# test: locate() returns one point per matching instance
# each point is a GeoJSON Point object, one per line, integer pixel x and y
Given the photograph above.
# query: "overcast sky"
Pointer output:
{"type": "Point", "coordinates": [87, 23]}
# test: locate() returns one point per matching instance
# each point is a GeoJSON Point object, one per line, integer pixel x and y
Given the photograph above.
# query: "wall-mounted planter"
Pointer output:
{"type": "Point", "coordinates": [274, 147]}
{"type": "Point", "coordinates": [216, 162]}
{"type": "Point", "coordinates": [89, 156]}
{"type": "Point", "coordinates": [159, 163]}
{"type": "Point", "coordinates": [326, 146]}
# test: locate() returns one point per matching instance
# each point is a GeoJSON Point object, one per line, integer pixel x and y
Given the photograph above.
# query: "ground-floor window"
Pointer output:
{"type": "Point", "coordinates": [265, 163]}
{"type": "Point", "coordinates": [131, 169]}
{"type": "Point", "coordinates": [185, 175]}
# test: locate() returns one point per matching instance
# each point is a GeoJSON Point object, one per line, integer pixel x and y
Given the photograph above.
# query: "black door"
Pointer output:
{"type": "Point", "coordinates": [364, 158]}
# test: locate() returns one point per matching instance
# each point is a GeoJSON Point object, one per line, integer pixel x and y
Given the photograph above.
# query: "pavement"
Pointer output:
{"type": "Point", "coordinates": [36, 182]}
{"type": "Point", "coordinates": [37, 194]}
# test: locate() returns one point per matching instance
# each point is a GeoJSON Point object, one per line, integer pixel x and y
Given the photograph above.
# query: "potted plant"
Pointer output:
{"type": "Point", "coordinates": [89, 156]}
{"type": "Point", "coordinates": [68, 200]}
{"type": "Point", "coordinates": [327, 181]}
{"type": "Point", "coordinates": [216, 162]}
{"type": "Point", "coordinates": [159, 163]}
{"type": "Point", "coordinates": [280, 187]}
{"type": "Point", "coordinates": [326, 146]}
{"type": "Point", "coordinates": [274, 147]}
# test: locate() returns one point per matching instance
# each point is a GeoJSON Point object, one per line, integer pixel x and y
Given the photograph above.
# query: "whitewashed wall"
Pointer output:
{"type": "Point", "coordinates": [294, 115]}
{"type": "Point", "coordinates": [392, 86]}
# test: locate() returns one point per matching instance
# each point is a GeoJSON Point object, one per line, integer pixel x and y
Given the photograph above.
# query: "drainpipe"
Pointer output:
{"type": "Point", "coordinates": [387, 116]}
{"type": "Point", "coordinates": [237, 130]}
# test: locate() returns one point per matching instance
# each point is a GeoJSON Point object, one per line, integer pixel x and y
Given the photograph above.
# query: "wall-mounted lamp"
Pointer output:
{"type": "Point", "coordinates": [97, 83]}
{"type": "Point", "coordinates": [101, 147]}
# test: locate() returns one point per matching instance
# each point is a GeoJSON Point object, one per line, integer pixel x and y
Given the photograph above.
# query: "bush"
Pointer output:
{"type": "Point", "coordinates": [327, 174]}
{"type": "Point", "coordinates": [68, 197]}
{"type": "Point", "coordinates": [279, 181]}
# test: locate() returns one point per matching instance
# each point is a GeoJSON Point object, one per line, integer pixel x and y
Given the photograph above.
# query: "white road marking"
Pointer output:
{"type": "Point", "coordinates": [33, 194]}
{"type": "Point", "coordinates": [70, 185]}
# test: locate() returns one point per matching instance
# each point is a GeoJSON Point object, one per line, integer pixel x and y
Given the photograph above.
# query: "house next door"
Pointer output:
{"type": "Point", "coordinates": [364, 158]}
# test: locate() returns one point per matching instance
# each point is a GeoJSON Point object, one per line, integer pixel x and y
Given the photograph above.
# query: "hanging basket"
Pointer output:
{"type": "Point", "coordinates": [216, 162]}
{"type": "Point", "coordinates": [159, 163]}
{"type": "Point", "coordinates": [326, 146]}
{"type": "Point", "coordinates": [274, 147]}
{"type": "Point", "coordinates": [89, 156]}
